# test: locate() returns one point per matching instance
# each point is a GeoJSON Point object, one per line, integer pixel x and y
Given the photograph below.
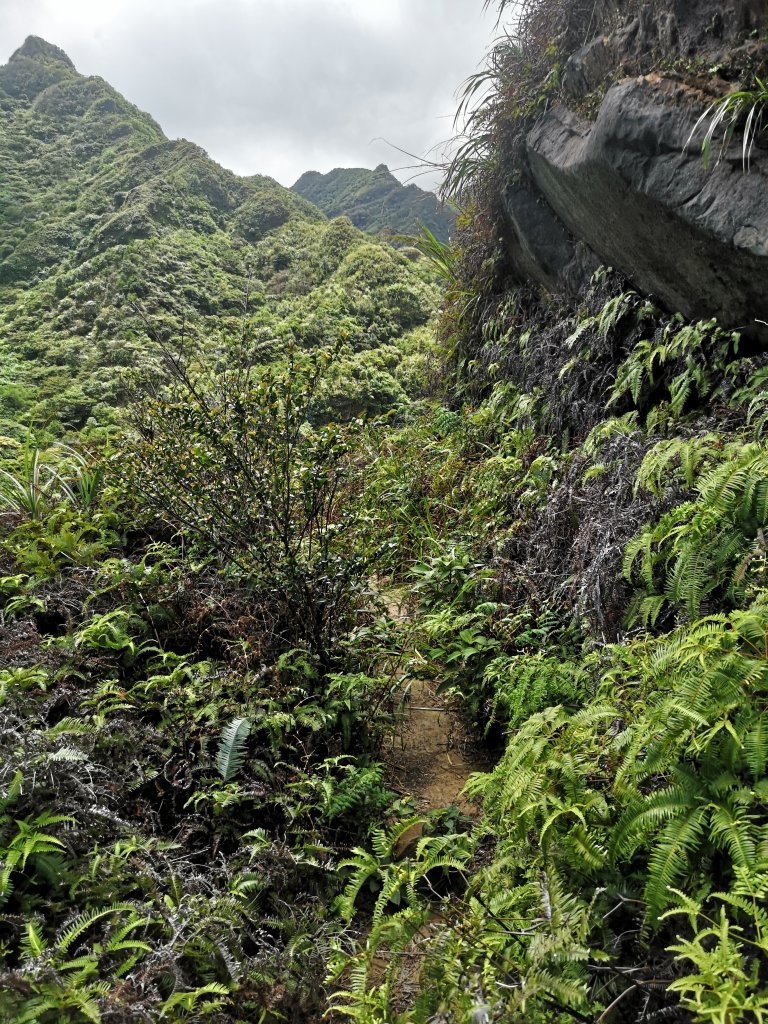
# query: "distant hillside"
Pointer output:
{"type": "Point", "coordinates": [375, 201]}
{"type": "Point", "coordinates": [100, 212]}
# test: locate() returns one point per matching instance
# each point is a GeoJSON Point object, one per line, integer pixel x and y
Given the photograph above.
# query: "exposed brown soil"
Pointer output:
{"type": "Point", "coordinates": [432, 753]}
{"type": "Point", "coordinates": [431, 756]}
{"type": "Point", "coordinates": [431, 759]}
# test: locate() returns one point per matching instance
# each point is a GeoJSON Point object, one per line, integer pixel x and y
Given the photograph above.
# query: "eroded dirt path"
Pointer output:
{"type": "Point", "coordinates": [429, 758]}
{"type": "Point", "coordinates": [432, 753]}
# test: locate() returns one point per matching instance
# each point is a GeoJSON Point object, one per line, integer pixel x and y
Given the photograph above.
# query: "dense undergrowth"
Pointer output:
{"type": "Point", "coordinates": [584, 523]}
{"type": "Point", "coordinates": [202, 680]}
{"type": "Point", "coordinates": [198, 674]}
{"type": "Point", "coordinates": [191, 710]}
{"type": "Point", "coordinates": [601, 602]}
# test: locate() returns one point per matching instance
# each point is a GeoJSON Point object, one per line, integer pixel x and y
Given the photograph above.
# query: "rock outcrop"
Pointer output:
{"type": "Point", "coordinates": [630, 189]}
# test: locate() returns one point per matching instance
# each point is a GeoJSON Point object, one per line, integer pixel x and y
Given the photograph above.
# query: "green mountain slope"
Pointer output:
{"type": "Point", "coordinates": [110, 231]}
{"type": "Point", "coordinates": [375, 201]}
{"type": "Point", "coordinates": [220, 629]}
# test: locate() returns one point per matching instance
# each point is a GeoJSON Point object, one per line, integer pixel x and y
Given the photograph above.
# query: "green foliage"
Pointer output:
{"type": "Point", "coordinates": [440, 254]}
{"type": "Point", "coordinates": [707, 740]}
{"type": "Point", "coordinates": [625, 305]}
{"type": "Point", "coordinates": [711, 544]}
{"type": "Point", "coordinates": [597, 815]}
{"type": "Point", "coordinates": [678, 462]}
{"type": "Point", "coordinates": [30, 843]}
{"type": "Point", "coordinates": [396, 881]}
{"type": "Point", "coordinates": [522, 685]}
{"type": "Point", "coordinates": [743, 108]}
{"type": "Point", "coordinates": [520, 76]}
{"type": "Point", "coordinates": [47, 478]}
{"type": "Point", "coordinates": [31, 492]}
{"type": "Point", "coordinates": [687, 360]}
{"type": "Point", "coordinates": [375, 201]}
{"type": "Point", "coordinates": [724, 983]}
{"type": "Point", "coordinates": [152, 747]}
{"type": "Point", "coordinates": [199, 673]}
{"type": "Point", "coordinates": [448, 577]}
{"type": "Point", "coordinates": [231, 755]}
{"type": "Point", "coordinates": [235, 466]}
{"type": "Point", "coordinates": [109, 230]}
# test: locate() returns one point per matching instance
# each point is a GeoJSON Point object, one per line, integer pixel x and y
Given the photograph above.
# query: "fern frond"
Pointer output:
{"type": "Point", "coordinates": [670, 857]}
{"type": "Point", "coordinates": [231, 753]}
{"type": "Point", "coordinates": [34, 942]}
{"type": "Point", "coordinates": [83, 922]}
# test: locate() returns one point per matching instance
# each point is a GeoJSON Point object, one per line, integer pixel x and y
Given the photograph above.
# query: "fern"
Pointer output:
{"type": "Point", "coordinates": [709, 544]}
{"type": "Point", "coordinates": [34, 943]}
{"type": "Point", "coordinates": [191, 1000]}
{"type": "Point", "coordinates": [723, 981]}
{"type": "Point", "coordinates": [30, 843]}
{"type": "Point", "coordinates": [231, 753]}
{"type": "Point", "coordinates": [679, 462]}
{"type": "Point", "coordinates": [753, 397]}
{"type": "Point", "coordinates": [690, 359]}
{"type": "Point", "coordinates": [75, 929]}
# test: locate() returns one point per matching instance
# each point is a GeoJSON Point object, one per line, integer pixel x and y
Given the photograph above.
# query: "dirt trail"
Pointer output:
{"type": "Point", "coordinates": [432, 756]}
{"type": "Point", "coordinates": [432, 753]}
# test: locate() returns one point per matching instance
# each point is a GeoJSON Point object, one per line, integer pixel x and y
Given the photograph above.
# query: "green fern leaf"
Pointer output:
{"type": "Point", "coordinates": [84, 921]}
{"type": "Point", "coordinates": [670, 856]}
{"type": "Point", "coordinates": [231, 753]}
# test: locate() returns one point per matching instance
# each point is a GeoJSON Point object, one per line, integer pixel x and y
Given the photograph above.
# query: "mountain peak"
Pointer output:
{"type": "Point", "coordinates": [35, 48]}
{"type": "Point", "coordinates": [375, 201]}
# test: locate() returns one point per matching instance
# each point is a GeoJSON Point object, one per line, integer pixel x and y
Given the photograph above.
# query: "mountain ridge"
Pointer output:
{"type": "Point", "coordinates": [376, 201]}
{"type": "Point", "coordinates": [101, 212]}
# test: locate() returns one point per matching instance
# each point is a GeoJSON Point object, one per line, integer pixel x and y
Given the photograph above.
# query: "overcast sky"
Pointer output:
{"type": "Point", "coordinates": [275, 86]}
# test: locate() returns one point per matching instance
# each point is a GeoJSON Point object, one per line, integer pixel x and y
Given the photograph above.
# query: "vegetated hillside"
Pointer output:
{"type": "Point", "coordinates": [376, 201]}
{"type": "Point", "coordinates": [108, 228]}
{"type": "Point", "coordinates": [201, 812]}
{"type": "Point", "coordinates": [595, 592]}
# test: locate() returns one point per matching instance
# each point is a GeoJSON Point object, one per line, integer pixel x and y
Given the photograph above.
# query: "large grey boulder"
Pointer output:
{"type": "Point", "coordinates": [631, 189]}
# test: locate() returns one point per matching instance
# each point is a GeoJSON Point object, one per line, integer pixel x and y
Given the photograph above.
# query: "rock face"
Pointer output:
{"type": "Point", "coordinates": [632, 188]}
{"type": "Point", "coordinates": [643, 201]}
